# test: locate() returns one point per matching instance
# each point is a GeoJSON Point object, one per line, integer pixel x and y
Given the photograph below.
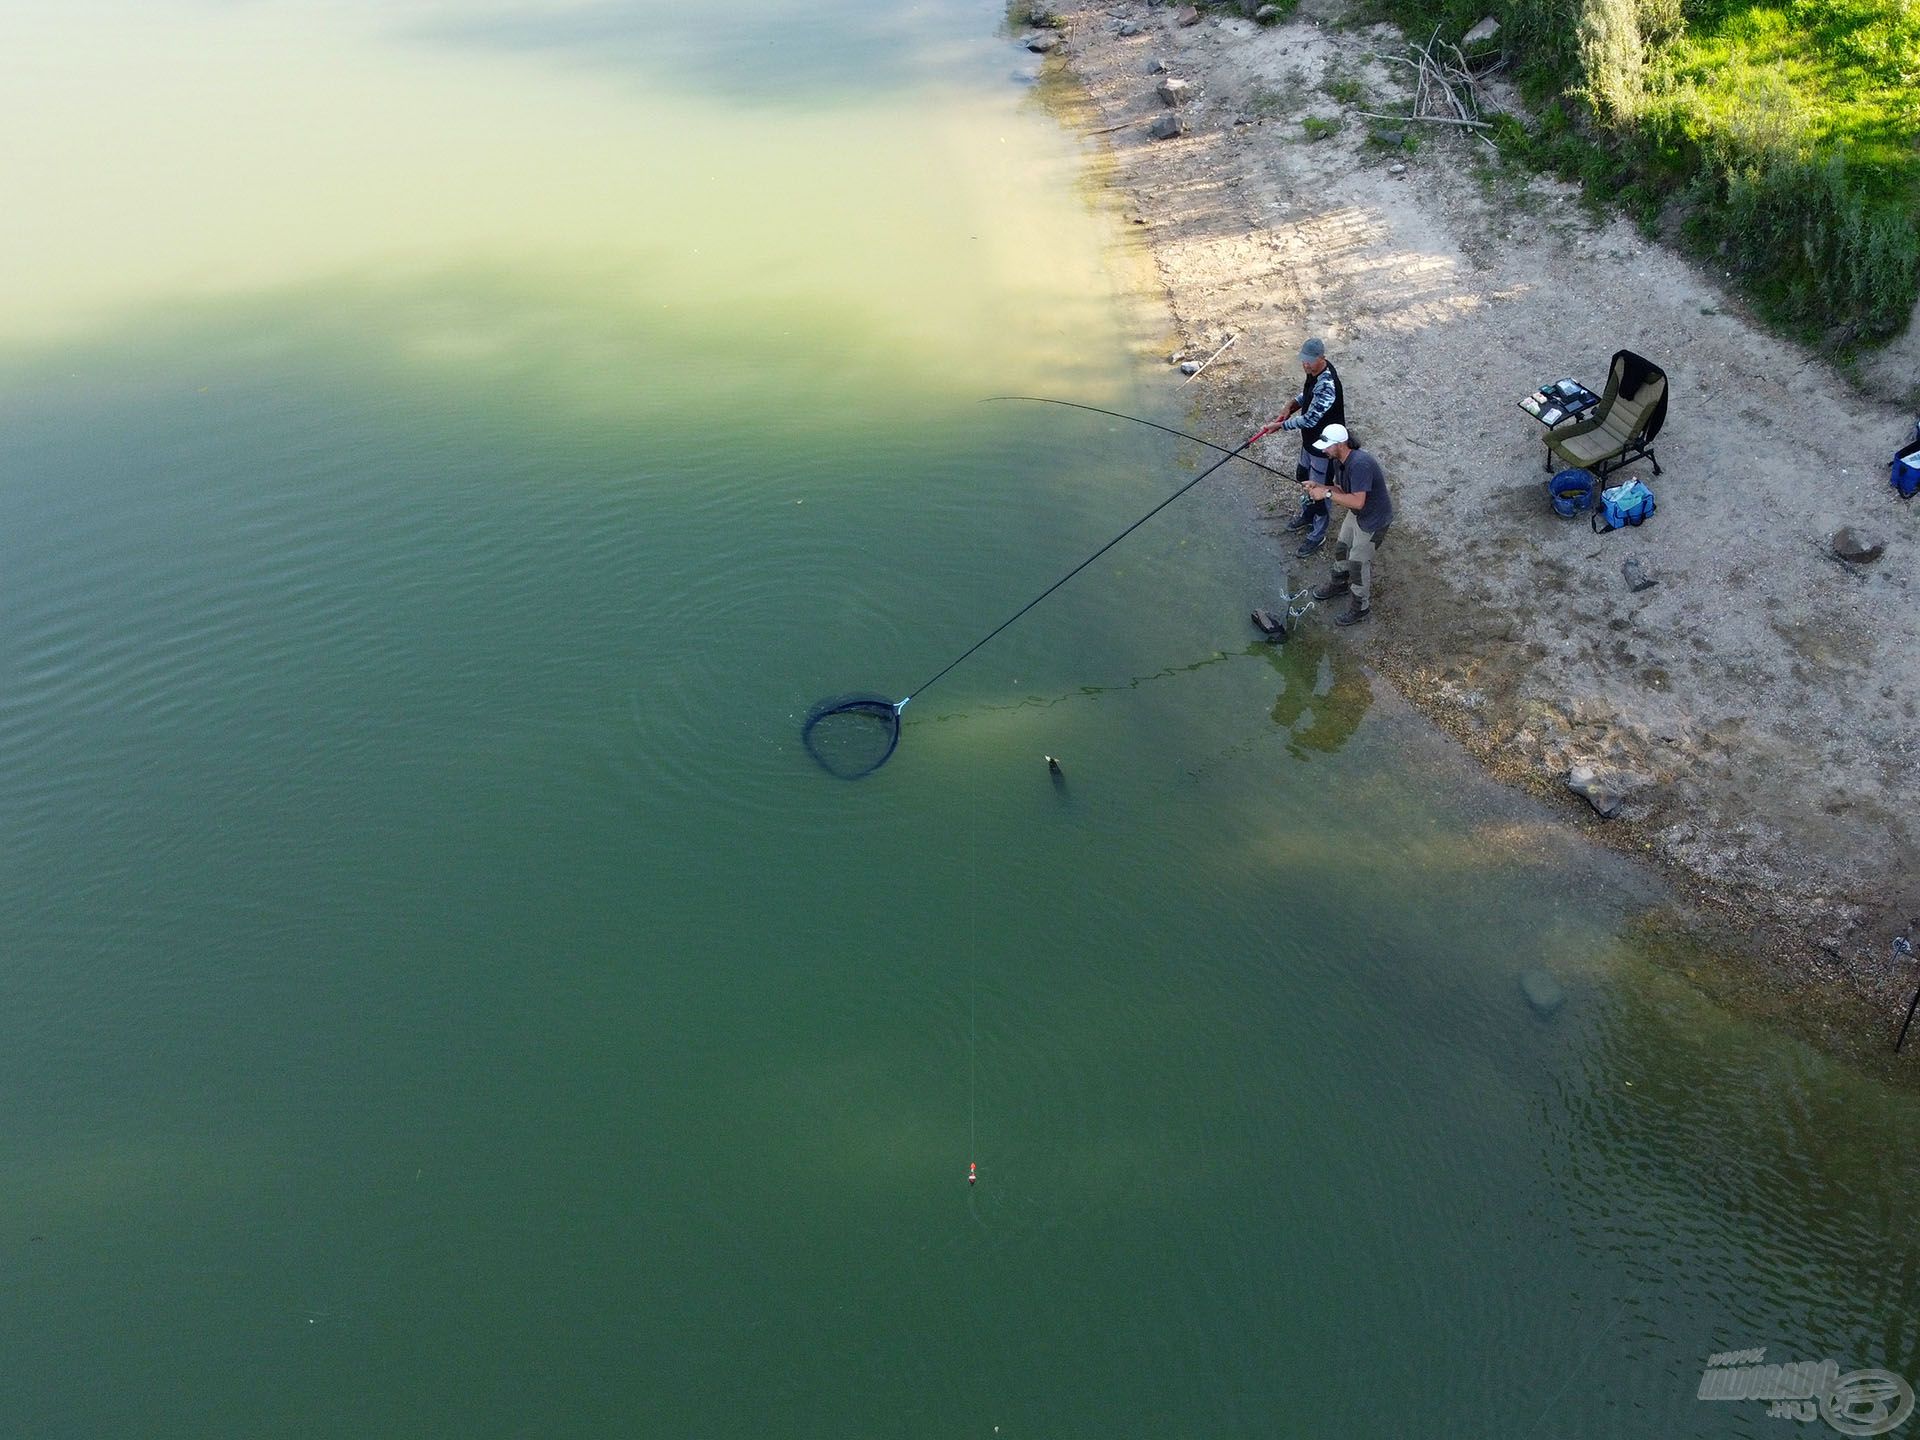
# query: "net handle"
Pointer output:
{"type": "Point", "coordinates": [1229, 455]}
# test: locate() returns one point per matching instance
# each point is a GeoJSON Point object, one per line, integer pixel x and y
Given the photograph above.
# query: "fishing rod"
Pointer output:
{"type": "Point", "coordinates": [1154, 424]}
{"type": "Point", "coordinates": [1902, 945]}
{"type": "Point", "coordinates": [1225, 455]}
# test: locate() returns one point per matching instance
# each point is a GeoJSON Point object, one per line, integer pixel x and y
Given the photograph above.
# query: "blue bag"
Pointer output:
{"type": "Point", "coordinates": [1571, 491]}
{"type": "Point", "coordinates": [1904, 475]}
{"type": "Point", "coordinates": [1623, 505]}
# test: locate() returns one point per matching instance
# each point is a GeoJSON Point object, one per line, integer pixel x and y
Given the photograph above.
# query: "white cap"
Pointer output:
{"type": "Point", "coordinates": [1332, 435]}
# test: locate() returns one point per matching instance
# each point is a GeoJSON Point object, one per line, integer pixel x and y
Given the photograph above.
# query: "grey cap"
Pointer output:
{"type": "Point", "coordinates": [1314, 349]}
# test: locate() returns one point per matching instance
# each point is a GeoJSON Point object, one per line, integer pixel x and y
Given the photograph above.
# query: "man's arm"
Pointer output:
{"type": "Point", "coordinates": [1344, 499]}
{"type": "Point", "coordinates": [1358, 474]}
{"type": "Point", "coordinates": [1279, 422]}
{"type": "Point", "coordinates": [1317, 406]}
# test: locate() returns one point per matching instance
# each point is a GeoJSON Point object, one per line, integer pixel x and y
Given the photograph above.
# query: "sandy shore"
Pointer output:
{"type": "Point", "coordinates": [1759, 707]}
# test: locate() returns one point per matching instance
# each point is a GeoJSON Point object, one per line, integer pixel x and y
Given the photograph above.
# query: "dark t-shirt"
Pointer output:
{"type": "Point", "coordinates": [1362, 475]}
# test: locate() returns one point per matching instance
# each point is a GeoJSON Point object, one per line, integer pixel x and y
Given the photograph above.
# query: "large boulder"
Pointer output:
{"type": "Point", "coordinates": [1605, 789]}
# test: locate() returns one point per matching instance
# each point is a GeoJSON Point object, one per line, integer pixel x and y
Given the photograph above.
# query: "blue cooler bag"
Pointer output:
{"type": "Point", "coordinates": [1904, 475]}
{"type": "Point", "coordinates": [1627, 504]}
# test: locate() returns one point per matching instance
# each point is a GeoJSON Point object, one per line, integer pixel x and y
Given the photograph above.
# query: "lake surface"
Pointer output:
{"type": "Point", "coordinates": [444, 450]}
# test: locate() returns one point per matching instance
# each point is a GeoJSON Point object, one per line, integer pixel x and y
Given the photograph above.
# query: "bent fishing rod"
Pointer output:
{"type": "Point", "coordinates": [1152, 424]}
{"type": "Point", "coordinates": [1237, 452]}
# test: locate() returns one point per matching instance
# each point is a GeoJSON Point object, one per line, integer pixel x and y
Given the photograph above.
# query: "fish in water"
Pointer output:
{"type": "Point", "coordinates": [1058, 776]}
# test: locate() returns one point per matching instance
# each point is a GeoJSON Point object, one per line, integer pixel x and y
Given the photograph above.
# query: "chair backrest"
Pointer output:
{"type": "Point", "coordinates": [1624, 418]}
{"type": "Point", "coordinates": [1637, 389]}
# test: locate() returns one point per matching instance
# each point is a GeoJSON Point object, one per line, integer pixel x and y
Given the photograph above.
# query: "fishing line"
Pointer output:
{"type": "Point", "coordinates": [854, 735]}
{"type": "Point", "coordinates": [1619, 1313]}
{"type": "Point", "coordinates": [973, 984]}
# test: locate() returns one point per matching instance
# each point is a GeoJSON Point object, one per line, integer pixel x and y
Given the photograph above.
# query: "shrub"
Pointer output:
{"type": "Point", "coordinates": [1662, 21]}
{"type": "Point", "coordinates": [1612, 59]}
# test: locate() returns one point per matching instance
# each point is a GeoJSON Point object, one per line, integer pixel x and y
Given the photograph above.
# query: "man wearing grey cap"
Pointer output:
{"type": "Point", "coordinates": [1320, 403]}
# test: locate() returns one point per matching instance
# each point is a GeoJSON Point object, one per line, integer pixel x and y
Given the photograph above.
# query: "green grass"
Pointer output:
{"type": "Point", "coordinates": [1836, 71]}
{"type": "Point", "coordinates": [1234, 7]}
{"type": "Point", "coordinates": [1344, 87]}
{"type": "Point", "coordinates": [1267, 103]}
{"type": "Point", "coordinates": [1319, 129]}
{"type": "Point", "coordinates": [1784, 135]}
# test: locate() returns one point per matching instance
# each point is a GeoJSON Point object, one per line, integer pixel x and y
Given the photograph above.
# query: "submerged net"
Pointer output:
{"type": "Point", "coordinates": [852, 735]}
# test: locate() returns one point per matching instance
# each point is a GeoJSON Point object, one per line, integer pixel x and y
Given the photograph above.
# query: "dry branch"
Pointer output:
{"type": "Point", "coordinates": [1446, 86]}
{"type": "Point", "coordinates": [1427, 119]}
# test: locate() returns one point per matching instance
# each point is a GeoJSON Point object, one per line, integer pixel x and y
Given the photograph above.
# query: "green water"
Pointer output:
{"type": "Point", "coordinates": [443, 452]}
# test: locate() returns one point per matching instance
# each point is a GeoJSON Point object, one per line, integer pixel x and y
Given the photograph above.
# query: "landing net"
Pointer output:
{"type": "Point", "coordinates": [852, 735]}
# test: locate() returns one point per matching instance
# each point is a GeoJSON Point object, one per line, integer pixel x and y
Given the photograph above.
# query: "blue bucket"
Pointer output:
{"type": "Point", "coordinates": [1572, 491]}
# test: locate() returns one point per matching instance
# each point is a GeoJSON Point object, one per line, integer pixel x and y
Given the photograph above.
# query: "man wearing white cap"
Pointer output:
{"type": "Point", "coordinates": [1358, 486]}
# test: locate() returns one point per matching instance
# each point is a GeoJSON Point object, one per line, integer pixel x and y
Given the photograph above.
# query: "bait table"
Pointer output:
{"type": "Point", "coordinates": [1559, 401]}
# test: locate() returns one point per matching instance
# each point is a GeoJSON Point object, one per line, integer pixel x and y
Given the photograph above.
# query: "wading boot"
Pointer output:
{"type": "Point", "coordinates": [1316, 536]}
{"type": "Point", "coordinates": [1353, 614]}
{"type": "Point", "coordinates": [1338, 585]}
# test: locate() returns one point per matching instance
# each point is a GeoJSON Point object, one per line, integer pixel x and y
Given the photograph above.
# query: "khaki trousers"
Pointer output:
{"type": "Point", "coordinates": [1353, 558]}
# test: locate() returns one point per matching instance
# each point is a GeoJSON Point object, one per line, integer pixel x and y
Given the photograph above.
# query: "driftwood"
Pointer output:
{"type": "Point", "coordinates": [1209, 360]}
{"type": "Point", "coordinates": [1446, 86]}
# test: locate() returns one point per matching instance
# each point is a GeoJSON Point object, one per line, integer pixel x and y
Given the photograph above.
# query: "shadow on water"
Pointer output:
{"type": "Point", "coordinates": [1324, 695]}
{"type": "Point", "coordinates": [592, 339]}
{"type": "Point", "coordinates": [807, 54]}
{"type": "Point", "coordinates": [457, 317]}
